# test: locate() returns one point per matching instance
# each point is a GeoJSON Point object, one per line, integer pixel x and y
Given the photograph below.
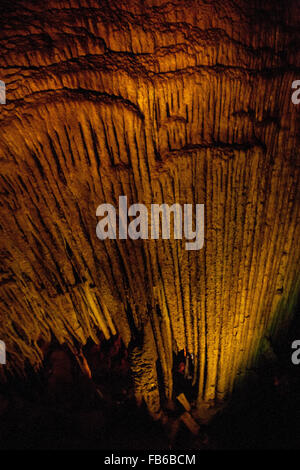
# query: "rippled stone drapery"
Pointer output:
{"type": "Point", "coordinates": [162, 102]}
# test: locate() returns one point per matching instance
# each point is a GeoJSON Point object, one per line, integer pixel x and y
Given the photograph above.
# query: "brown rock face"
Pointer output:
{"type": "Point", "coordinates": [186, 102]}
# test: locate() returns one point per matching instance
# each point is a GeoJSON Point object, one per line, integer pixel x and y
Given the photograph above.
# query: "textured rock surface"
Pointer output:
{"type": "Point", "coordinates": [163, 102]}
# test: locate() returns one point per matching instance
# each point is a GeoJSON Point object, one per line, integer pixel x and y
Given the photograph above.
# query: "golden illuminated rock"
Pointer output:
{"type": "Point", "coordinates": [186, 102]}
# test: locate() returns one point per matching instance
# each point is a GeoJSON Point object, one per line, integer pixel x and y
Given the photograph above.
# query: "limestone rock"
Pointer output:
{"type": "Point", "coordinates": [186, 102]}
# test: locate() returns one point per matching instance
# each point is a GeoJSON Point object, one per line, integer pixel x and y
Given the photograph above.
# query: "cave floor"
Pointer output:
{"type": "Point", "coordinates": [264, 413]}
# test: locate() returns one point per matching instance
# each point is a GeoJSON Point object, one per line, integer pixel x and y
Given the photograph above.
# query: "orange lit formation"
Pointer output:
{"type": "Point", "coordinates": [161, 102]}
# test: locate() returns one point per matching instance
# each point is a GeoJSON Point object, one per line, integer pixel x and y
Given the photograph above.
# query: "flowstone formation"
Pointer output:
{"type": "Point", "coordinates": [164, 102]}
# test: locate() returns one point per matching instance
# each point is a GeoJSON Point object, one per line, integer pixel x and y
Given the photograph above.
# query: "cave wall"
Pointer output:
{"type": "Point", "coordinates": [186, 102]}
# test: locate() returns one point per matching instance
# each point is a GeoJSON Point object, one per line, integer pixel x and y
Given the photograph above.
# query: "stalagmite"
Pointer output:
{"type": "Point", "coordinates": [163, 102]}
